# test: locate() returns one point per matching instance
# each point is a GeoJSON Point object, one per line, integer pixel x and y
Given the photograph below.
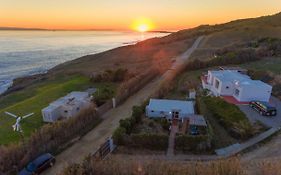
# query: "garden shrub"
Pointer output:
{"type": "Point", "coordinates": [137, 113]}
{"type": "Point", "coordinates": [165, 124]}
{"type": "Point", "coordinates": [188, 143]}
{"type": "Point", "coordinates": [118, 135]}
{"type": "Point", "coordinates": [127, 124]}
{"type": "Point", "coordinates": [149, 141]}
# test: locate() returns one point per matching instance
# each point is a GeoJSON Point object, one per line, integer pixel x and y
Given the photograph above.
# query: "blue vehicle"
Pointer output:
{"type": "Point", "coordinates": [38, 165]}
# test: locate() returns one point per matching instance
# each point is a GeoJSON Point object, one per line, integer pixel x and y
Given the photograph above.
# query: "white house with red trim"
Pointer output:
{"type": "Point", "coordinates": [240, 86]}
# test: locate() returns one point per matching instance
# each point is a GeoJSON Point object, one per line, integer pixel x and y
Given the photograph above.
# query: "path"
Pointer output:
{"type": "Point", "coordinates": [171, 146]}
{"type": "Point", "coordinates": [236, 148]}
{"type": "Point", "coordinates": [91, 141]}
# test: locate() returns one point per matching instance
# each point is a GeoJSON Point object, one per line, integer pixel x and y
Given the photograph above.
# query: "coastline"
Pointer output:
{"type": "Point", "coordinates": [11, 83]}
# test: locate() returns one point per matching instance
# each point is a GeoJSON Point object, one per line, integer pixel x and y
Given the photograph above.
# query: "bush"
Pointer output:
{"type": "Point", "coordinates": [149, 141]}
{"type": "Point", "coordinates": [118, 135]}
{"type": "Point", "coordinates": [102, 95]}
{"type": "Point", "coordinates": [165, 124]}
{"type": "Point", "coordinates": [127, 124]}
{"type": "Point", "coordinates": [260, 75]}
{"type": "Point", "coordinates": [117, 75]}
{"type": "Point", "coordinates": [137, 113]}
{"type": "Point", "coordinates": [187, 143]}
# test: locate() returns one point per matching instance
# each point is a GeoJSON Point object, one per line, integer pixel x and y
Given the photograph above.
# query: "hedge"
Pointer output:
{"type": "Point", "coordinates": [149, 141]}
{"type": "Point", "coordinates": [123, 134]}
{"type": "Point", "coordinates": [188, 142]}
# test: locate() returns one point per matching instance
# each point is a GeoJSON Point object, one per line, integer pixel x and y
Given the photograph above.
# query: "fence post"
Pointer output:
{"type": "Point", "coordinates": [113, 102]}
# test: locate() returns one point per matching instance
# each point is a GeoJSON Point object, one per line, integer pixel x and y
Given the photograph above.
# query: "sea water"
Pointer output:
{"type": "Point", "coordinates": [25, 53]}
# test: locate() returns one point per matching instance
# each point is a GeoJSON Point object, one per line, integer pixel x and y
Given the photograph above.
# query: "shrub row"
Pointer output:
{"type": "Point", "coordinates": [48, 138]}
{"type": "Point", "coordinates": [133, 85]}
{"type": "Point", "coordinates": [229, 57]}
{"type": "Point", "coordinates": [117, 75]}
{"type": "Point", "coordinates": [148, 141]}
{"type": "Point", "coordinates": [188, 143]}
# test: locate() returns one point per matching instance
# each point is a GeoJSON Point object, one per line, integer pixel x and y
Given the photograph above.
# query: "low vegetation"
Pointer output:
{"type": "Point", "coordinates": [126, 135]}
{"type": "Point", "coordinates": [109, 75]}
{"type": "Point", "coordinates": [229, 116]}
{"type": "Point", "coordinates": [195, 144]}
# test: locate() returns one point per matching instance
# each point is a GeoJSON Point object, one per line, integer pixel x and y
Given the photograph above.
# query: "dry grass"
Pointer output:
{"type": "Point", "coordinates": [137, 165]}
{"type": "Point", "coordinates": [119, 166]}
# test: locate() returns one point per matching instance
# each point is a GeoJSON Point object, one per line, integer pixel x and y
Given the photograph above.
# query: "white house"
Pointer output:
{"type": "Point", "coordinates": [67, 106]}
{"type": "Point", "coordinates": [170, 109]}
{"type": "Point", "coordinates": [240, 86]}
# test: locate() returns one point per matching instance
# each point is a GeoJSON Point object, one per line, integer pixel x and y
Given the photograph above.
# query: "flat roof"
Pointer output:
{"type": "Point", "coordinates": [237, 78]}
{"type": "Point", "coordinates": [197, 120]}
{"type": "Point", "coordinates": [68, 100]}
{"type": "Point", "coordinates": [170, 105]}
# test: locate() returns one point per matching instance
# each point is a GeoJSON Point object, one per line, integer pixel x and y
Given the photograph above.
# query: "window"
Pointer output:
{"type": "Point", "coordinates": [227, 87]}
{"type": "Point", "coordinates": [65, 111]}
{"type": "Point", "coordinates": [78, 109]}
{"type": "Point", "coordinates": [152, 111]}
{"type": "Point", "coordinates": [237, 92]}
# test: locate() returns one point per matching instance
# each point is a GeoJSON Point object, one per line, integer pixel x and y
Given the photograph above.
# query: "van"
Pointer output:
{"type": "Point", "coordinates": [264, 108]}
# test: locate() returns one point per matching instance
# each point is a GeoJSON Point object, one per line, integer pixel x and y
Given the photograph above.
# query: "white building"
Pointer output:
{"type": "Point", "coordinates": [240, 86]}
{"type": "Point", "coordinates": [170, 109]}
{"type": "Point", "coordinates": [67, 106]}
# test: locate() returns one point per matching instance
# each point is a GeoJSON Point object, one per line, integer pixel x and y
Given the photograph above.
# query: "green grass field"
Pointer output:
{"type": "Point", "coordinates": [34, 99]}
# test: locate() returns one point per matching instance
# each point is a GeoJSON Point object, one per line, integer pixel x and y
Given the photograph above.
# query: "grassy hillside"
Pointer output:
{"type": "Point", "coordinates": [34, 99]}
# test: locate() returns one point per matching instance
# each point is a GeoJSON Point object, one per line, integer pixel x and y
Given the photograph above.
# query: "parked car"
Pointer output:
{"type": "Point", "coordinates": [264, 108]}
{"type": "Point", "coordinates": [38, 165]}
{"type": "Point", "coordinates": [194, 130]}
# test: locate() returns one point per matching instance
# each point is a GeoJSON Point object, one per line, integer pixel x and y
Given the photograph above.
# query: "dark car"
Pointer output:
{"type": "Point", "coordinates": [38, 165]}
{"type": "Point", "coordinates": [194, 130]}
{"type": "Point", "coordinates": [264, 108]}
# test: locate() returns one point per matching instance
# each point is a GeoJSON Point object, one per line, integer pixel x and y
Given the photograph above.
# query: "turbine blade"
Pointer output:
{"type": "Point", "coordinates": [10, 114]}
{"type": "Point", "coordinates": [28, 115]}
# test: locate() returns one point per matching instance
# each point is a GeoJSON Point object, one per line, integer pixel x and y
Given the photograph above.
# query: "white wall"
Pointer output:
{"type": "Point", "coordinates": [51, 115]}
{"type": "Point", "coordinates": [259, 93]}
{"type": "Point", "coordinates": [157, 114]}
{"type": "Point", "coordinates": [226, 91]}
{"type": "Point", "coordinates": [161, 114]}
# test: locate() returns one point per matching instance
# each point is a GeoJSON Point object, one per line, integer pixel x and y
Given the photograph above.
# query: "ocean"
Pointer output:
{"type": "Point", "coordinates": [25, 53]}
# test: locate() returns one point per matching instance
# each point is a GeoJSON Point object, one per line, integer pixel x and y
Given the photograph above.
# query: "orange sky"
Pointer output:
{"type": "Point", "coordinates": [121, 14]}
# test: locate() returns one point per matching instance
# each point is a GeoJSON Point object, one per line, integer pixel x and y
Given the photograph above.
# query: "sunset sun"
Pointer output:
{"type": "Point", "coordinates": [142, 28]}
{"type": "Point", "coordinates": [142, 25]}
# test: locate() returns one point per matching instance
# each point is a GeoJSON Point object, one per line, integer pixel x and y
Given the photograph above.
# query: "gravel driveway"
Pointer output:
{"type": "Point", "coordinates": [274, 121]}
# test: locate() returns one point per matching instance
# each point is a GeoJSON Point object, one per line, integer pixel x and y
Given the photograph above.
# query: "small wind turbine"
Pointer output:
{"type": "Point", "coordinates": [17, 126]}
